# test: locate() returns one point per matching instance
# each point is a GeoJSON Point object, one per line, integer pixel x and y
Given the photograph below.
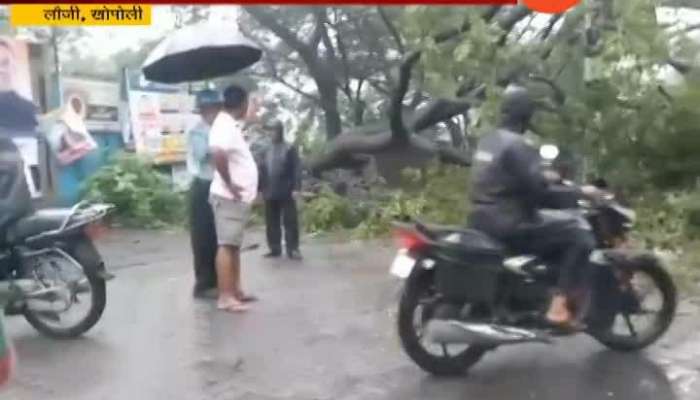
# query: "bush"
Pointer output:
{"type": "Point", "coordinates": [400, 207]}
{"type": "Point", "coordinates": [668, 221]}
{"type": "Point", "coordinates": [330, 212]}
{"type": "Point", "coordinates": [437, 194]}
{"type": "Point", "coordinates": [143, 197]}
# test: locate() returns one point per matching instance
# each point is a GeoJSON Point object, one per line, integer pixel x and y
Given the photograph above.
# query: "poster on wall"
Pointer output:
{"type": "Point", "coordinates": [159, 122]}
{"type": "Point", "coordinates": [18, 116]}
{"type": "Point", "coordinates": [16, 102]}
{"type": "Point", "coordinates": [67, 133]}
{"type": "Point", "coordinates": [101, 100]}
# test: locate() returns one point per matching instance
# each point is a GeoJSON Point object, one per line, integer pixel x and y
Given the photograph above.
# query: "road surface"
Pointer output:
{"type": "Point", "coordinates": [324, 330]}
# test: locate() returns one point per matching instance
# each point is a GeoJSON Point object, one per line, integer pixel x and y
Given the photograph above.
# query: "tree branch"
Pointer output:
{"type": "Point", "coordinates": [346, 66]}
{"type": "Point", "coordinates": [680, 4]}
{"type": "Point", "coordinates": [268, 21]}
{"type": "Point", "coordinates": [392, 29]}
{"type": "Point", "coordinates": [322, 32]}
{"type": "Point", "coordinates": [685, 30]}
{"type": "Point", "coordinates": [550, 26]}
{"type": "Point", "coordinates": [509, 19]}
{"type": "Point", "coordinates": [438, 110]}
{"type": "Point", "coordinates": [444, 36]}
{"type": "Point", "coordinates": [319, 28]}
{"type": "Point", "coordinates": [398, 129]}
{"type": "Point", "coordinates": [680, 66]}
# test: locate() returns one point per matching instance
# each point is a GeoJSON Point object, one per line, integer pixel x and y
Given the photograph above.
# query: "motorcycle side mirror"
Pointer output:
{"type": "Point", "coordinates": [549, 152]}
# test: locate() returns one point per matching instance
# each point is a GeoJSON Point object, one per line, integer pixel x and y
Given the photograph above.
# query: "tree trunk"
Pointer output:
{"type": "Point", "coordinates": [328, 94]}
{"type": "Point", "coordinates": [329, 105]}
{"type": "Point", "coordinates": [358, 112]}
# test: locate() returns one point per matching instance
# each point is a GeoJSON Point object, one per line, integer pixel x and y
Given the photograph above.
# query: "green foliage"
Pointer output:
{"type": "Point", "coordinates": [329, 212]}
{"type": "Point", "coordinates": [143, 197]}
{"type": "Point", "coordinates": [437, 194]}
{"type": "Point", "coordinates": [668, 221]}
{"type": "Point", "coordinates": [400, 206]}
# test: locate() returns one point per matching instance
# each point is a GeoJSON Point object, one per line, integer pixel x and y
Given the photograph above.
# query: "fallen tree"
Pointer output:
{"type": "Point", "coordinates": [401, 143]}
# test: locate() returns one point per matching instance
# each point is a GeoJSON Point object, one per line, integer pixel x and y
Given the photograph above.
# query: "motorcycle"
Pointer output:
{"type": "Point", "coordinates": [50, 270]}
{"type": "Point", "coordinates": [465, 294]}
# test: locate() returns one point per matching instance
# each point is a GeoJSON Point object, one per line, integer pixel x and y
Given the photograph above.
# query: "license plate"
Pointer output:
{"type": "Point", "coordinates": [403, 265]}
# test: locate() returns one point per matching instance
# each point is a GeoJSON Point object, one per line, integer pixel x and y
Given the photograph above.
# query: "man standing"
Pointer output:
{"type": "Point", "coordinates": [280, 181]}
{"type": "Point", "coordinates": [199, 166]}
{"type": "Point", "coordinates": [233, 191]}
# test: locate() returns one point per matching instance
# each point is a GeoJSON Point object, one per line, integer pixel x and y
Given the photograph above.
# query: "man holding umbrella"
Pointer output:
{"type": "Point", "coordinates": [196, 53]}
{"type": "Point", "coordinates": [199, 166]}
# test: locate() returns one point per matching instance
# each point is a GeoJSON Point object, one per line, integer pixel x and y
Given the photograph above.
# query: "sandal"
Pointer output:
{"type": "Point", "coordinates": [232, 305]}
{"type": "Point", "coordinates": [247, 298]}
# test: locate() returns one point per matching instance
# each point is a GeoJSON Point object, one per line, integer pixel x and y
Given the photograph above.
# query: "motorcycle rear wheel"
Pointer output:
{"type": "Point", "coordinates": [417, 286]}
{"type": "Point", "coordinates": [84, 252]}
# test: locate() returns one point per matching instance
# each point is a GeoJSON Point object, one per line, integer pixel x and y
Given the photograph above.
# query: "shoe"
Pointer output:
{"type": "Point", "coordinates": [273, 254]}
{"type": "Point", "coordinates": [295, 255]}
{"type": "Point", "coordinates": [208, 294]}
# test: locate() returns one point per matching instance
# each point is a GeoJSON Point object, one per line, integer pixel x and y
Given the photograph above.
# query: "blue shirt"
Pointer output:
{"type": "Point", "coordinates": [198, 160]}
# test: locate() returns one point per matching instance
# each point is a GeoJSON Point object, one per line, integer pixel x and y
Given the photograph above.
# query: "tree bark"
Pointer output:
{"type": "Point", "coordinates": [321, 71]}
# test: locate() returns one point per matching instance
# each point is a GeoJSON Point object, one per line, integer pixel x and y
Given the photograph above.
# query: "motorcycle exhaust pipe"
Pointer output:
{"type": "Point", "coordinates": [480, 334]}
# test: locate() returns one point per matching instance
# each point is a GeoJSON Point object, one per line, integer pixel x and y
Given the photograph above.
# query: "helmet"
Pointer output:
{"type": "Point", "coordinates": [208, 97]}
{"type": "Point", "coordinates": [518, 105]}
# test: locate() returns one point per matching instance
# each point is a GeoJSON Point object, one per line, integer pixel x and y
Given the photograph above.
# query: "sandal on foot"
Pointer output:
{"type": "Point", "coordinates": [232, 306]}
{"type": "Point", "coordinates": [247, 298]}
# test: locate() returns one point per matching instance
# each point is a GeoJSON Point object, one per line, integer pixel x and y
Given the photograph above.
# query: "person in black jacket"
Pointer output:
{"type": "Point", "coordinates": [509, 187]}
{"type": "Point", "coordinates": [280, 181]}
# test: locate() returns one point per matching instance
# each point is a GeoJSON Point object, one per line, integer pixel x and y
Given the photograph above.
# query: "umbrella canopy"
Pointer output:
{"type": "Point", "coordinates": [199, 52]}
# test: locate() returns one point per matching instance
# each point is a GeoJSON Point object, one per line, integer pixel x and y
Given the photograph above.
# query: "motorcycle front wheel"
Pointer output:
{"type": "Point", "coordinates": [90, 296]}
{"type": "Point", "coordinates": [415, 310]}
{"type": "Point", "coordinates": [644, 312]}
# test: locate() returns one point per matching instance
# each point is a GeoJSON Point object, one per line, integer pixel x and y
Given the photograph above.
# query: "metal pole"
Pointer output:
{"type": "Point", "coordinates": [57, 66]}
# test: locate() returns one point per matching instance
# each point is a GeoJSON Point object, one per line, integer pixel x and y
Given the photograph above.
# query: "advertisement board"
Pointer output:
{"type": "Point", "coordinates": [18, 119]}
{"type": "Point", "coordinates": [159, 122]}
{"type": "Point", "coordinates": [101, 100]}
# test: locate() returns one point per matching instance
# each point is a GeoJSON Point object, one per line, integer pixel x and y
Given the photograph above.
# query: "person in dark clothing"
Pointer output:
{"type": "Point", "coordinates": [510, 187]}
{"type": "Point", "coordinates": [280, 181]}
{"type": "Point", "coordinates": [202, 229]}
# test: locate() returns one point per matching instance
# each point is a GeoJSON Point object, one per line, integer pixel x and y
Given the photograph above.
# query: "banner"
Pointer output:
{"type": "Point", "coordinates": [101, 100]}
{"type": "Point", "coordinates": [159, 122]}
{"type": "Point", "coordinates": [18, 111]}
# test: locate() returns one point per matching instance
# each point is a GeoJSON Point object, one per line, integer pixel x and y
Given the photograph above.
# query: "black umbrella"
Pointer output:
{"type": "Point", "coordinates": [200, 52]}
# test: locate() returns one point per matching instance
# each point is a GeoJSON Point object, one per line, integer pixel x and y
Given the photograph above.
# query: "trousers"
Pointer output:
{"type": "Point", "coordinates": [554, 236]}
{"type": "Point", "coordinates": [202, 235]}
{"type": "Point", "coordinates": [279, 213]}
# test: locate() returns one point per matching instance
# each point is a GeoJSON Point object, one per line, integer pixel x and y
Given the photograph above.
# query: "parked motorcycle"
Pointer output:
{"type": "Point", "coordinates": [466, 294]}
{"type": "Point", "coordinates": [50, 271]}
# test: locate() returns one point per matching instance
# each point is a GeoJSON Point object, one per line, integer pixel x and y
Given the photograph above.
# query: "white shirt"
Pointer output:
{"type": "Point", "coordinates": [227, 134]}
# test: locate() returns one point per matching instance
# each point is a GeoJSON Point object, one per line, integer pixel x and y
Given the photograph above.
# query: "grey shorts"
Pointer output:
{"type": "Point", "coordinates": [230, 218]}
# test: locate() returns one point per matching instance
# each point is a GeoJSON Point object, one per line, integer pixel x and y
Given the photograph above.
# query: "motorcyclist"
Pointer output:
{"type": "Point", "coordinates": [510, 186]}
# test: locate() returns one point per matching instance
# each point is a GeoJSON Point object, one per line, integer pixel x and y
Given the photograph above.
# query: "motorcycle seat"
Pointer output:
{"type": "Point", "coordinates": [469, 240]}
{"type": "Point", "coordinates": [40, 221]}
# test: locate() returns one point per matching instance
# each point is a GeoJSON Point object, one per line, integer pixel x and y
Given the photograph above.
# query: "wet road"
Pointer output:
{"type": "Point", "coordinates": [323, 330]}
